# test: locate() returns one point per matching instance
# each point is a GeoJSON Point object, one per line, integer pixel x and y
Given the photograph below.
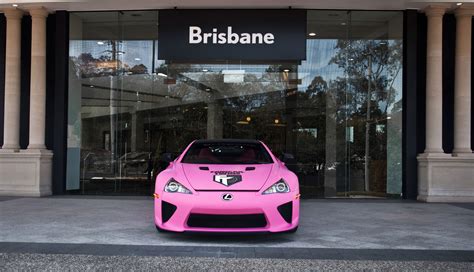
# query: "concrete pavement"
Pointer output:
{"type": "Point", "coordinates": [344, 224]}
{"type": "Point", "coordinates": [109, 233]}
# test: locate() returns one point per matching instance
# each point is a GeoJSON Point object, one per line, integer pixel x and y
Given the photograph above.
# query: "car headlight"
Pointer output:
{"type": "Point", "coordinates": [175, 187]}
{"type": "Point", "coordinates": [279, 187]}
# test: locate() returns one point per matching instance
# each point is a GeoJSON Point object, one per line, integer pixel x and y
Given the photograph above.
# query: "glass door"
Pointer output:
{"type": "Point", "coordinates": [112, 91]}
{"type": "Point", "coordinates": [374, 103]}
{"type": "Point", "coordinates": [350, 104]}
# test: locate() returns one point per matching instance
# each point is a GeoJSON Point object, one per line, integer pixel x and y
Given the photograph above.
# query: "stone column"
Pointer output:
{"type": "Point", "coordinates": [11, 139]}
{"type": "Point", "coordinates": [28, 172]}
{"type": "Point", "coordinates": [442, 177]}
{"type": "Point", "coordinates": [38, 78]}
{"type": "Point", "coordinates": [434, 153]}
{"type": "Point", "coordinates": [434, 82]}
{"type": "Point", "coordinates": [462, 90]}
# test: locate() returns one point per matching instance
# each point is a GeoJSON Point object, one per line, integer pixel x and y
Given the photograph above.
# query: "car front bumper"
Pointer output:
{"type": "Point", "coordinates": [208, 212]}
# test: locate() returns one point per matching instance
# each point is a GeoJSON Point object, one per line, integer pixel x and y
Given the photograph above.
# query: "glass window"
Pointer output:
{"type": "Point", "coordinates": [339, 112]}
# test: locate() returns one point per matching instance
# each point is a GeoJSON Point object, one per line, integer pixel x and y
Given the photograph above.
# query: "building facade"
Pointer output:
{"type": "Point", "coordinates": [372, 100]}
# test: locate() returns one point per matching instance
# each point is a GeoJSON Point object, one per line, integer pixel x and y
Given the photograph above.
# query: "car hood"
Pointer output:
{"type": "Point", "coordinates": [227, 177]}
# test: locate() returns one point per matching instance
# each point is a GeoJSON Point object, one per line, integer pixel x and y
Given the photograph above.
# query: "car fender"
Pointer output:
{"type": "Point", "coordinates": [174, 170]}
{"type": "Point", "coordinates": [280, 171]}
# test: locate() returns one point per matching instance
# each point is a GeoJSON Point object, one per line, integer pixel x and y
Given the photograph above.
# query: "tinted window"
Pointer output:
{"type": "Point", "coordinates": [227, 153]}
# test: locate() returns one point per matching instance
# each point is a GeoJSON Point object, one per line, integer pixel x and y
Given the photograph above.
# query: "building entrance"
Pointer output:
{"type": "Point", "coordinates": [338, 113]}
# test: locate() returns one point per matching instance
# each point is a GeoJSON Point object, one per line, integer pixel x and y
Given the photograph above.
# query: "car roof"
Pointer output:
{"type": "Point", "coordinates": [230, 141]}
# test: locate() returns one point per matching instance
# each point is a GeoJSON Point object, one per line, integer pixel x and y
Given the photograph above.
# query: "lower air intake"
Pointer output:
{"type": "Point", "coordinates": [227, 221]}
{"type": "Point", "coordinates": [167, 210]}
{"type": "Point", "coordinates": [286, 211]}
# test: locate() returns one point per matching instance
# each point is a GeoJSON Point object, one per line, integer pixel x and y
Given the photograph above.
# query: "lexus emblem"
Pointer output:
{"type": "Point", "coordinates": [227, 197]}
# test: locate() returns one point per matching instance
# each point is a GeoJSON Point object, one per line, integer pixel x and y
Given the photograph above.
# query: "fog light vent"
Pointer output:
{"type": "Point", "coordinates": [167, 210]}
{"type": "Point", "coordinates": [286, 211]}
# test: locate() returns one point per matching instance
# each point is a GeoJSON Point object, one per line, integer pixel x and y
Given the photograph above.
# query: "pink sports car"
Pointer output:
{"type": "Point", "coordinates": [227, 186]}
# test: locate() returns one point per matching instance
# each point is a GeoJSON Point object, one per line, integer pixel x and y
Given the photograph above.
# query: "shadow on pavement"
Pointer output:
{"type": "Point", "coordinates": [225, 238]}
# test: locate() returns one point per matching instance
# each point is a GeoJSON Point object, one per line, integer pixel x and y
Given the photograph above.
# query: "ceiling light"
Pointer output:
{"type": "Point", "coordinates": [208, 90]}
{"type": "Point", "coordinates": [163, 75]}
{"type": "Point", "coordinates": [389, 117]}
{"type": "Point", "coordinates": [100, 43]}
{"type": "Point", "coordinates": [233, 76]}
{"type": "Point", "coordinates": [137, 59]}
{"type": "Point", "coordinates": [311, 34]}
{"type": "Point", "coordinates": [276, 121]}
{"type": "Point", "coordinates": [15, 5]}
{"type": "Point", "coordinates": [205, 70]}
{"type": "Point", "coordinates": [286, 70]}
{"type": "Point", "coordinates": [458, 4]}
{"type": "Point", "coordinates": [248, 119]}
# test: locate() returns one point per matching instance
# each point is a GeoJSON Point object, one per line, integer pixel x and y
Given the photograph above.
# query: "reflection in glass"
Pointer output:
{"type": "Point", "coordinates": [338, 112]}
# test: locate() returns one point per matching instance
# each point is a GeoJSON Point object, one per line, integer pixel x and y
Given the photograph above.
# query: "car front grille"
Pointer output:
{"type": "Point", "coordinates": [196, 220]}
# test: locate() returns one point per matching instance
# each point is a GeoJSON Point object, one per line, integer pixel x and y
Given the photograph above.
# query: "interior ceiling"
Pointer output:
{"type": "Point", "coordinates": [83, 5]}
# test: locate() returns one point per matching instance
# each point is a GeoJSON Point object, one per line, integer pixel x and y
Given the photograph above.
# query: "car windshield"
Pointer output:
{"type": "Point", "coordinates": [227, 153]}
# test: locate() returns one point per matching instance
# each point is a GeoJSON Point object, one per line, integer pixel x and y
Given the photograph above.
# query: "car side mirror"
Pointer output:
{"type": "Point", "coordinates": [168, 157]}
{"type": "Point", "coordinates": [287, 158]}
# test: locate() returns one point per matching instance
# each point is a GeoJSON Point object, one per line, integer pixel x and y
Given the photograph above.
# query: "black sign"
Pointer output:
{"type": "Point", "coordinates": [190, 35]}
